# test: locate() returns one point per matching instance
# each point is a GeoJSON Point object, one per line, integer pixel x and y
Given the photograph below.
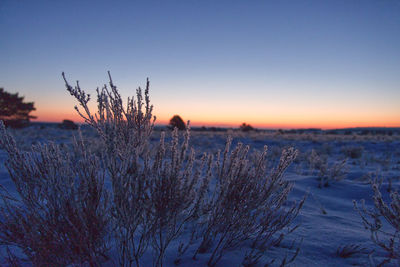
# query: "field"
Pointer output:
{"type": "Point", "coordinates": [331, 169]}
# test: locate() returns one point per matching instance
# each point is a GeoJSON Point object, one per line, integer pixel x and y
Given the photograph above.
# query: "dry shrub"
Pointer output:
{"type": "Point", "coordinates": [63, 214]}
{"type": "Point", "coordinates": [246, 204]}
{"type": "Point", "coordinates": [60, 215]}
{"type": "Point", "coordinates": [382, 214]}
{"type": "Point", "coordinates": [154, 190]}
{"type": "Point", "coordinates": [327, 172]}
{"type": "Point", "coordinates": [354, 152]}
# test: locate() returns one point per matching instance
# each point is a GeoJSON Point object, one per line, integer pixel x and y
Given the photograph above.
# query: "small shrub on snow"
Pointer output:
{"type": "Point", "coordinates": [354, 152]}
{"type": "Point", "coordinates": [326, 172]}
{"type": "Point", "coordinates": [153, 196]}
{"type": "Point", "coordinates": [64, 215]}
{"type": "Point", "coordinates": [374, 219]}
{"type": "Point", "coordinates": [246, 204]}
{"type": "Point", "coordinates": [60, 216]}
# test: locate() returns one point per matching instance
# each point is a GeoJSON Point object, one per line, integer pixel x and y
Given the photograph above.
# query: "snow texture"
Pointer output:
{"type": "Point", "coordinates": [327, 220]}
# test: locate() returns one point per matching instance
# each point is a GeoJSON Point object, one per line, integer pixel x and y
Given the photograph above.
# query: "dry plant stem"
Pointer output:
{"type": "Point", "coordinates": [246, 203]}
{"type": "Point", "coordinates": [174, 192]}
{"type": "Point", "coordinates": [327, 172]}
{"type": "Point", "coordinates": [350, 250]}
{"type": "Point", "coordinates": [154, 196]}
{"type": "Point", "coordinates": [372, 220]}
{"type": "Point", "coordinates": [61, 213]}
{"type": "Point", "coordinates": [12, 260]}
{"type": "Point", "coordinates": [133, 125]}
{"type": "Point", "coordinates": [125, 136]}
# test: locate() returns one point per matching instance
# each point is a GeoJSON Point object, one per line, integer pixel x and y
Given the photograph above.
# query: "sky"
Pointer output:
{"type": "Point", "coordinates": [272, 64]}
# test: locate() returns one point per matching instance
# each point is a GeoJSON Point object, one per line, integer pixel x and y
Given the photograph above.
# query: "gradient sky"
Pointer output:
{"type": "Point", "coordinates": [279, 64]}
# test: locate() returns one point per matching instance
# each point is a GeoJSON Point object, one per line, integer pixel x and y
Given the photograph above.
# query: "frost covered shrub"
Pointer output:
{"type": "Point", "coordinates": [246, 204]}
{"type": "Point", "coordinates": [155, 195]}
{"type": "Point", "coordinates": [60, 214]}
{"type": "Point", "coordinates": [383, 212]}
{"type": "Point", "coordinates": [154, 190]}
{"type": "Point", "coordinates": [176, 192]}
{"type": "Point", "coordinates": [327, 172]}
{"type": "Point", "coordinates": [316, 161]}
{"type": "Point", "coordinates": [65, 216]}
{"type": "Point", "coordinates": [354, 152]}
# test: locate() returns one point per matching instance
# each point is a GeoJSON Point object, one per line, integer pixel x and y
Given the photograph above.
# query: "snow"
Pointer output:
{"type": "Point", "coordinates": [327, 220]}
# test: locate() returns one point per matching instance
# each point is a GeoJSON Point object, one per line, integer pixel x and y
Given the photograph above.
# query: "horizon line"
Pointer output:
{"type": "Point", "coordinates": [236, 126]}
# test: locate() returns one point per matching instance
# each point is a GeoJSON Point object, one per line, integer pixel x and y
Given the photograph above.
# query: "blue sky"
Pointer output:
{"type": "Point", "coordinates": [269, 63]}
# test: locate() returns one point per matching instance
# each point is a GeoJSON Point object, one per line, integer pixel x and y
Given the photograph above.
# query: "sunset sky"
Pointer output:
{"type": "Point", "coordinates": [272, 64]}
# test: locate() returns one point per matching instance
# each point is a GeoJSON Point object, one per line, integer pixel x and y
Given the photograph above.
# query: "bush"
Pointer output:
{"type": "Point", "coordinates": [354, 152]}
{"type": "Point", "coordinates": [383, 212]}
{"type": "Point", "coordinates": [335, 171]}
{"type": "Point", "coordinates": [177, 122]}
{"type": "Point", "coordinates": [68, 125]}
{"type": "Point", "coordinates": [65, 215]}
{"type": "Point", "coordinates": [60, 216]}
{"type": "Point", "coordinates": [246, 204]}
{"type": "Point", "coordinates": [13, 111]}
{"type": "Point", "coordinates": [246, 127]}
{"type": "Point", "coordinates": [154, 195]}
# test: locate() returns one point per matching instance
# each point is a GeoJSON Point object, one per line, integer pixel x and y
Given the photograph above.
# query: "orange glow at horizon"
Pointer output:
{"type": "Point", "coordinates": [277, 122]}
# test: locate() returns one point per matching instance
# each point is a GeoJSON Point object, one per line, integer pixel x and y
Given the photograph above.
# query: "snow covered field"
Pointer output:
{"type": "Point", "coordinates": [327, 221]}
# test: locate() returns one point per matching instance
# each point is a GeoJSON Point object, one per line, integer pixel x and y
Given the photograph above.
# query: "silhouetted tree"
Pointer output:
{"type": "Point", "coordinates": [176, 121]}
{"type": "Point", "coordinates": [246, 127]}
{"type": "Point", "coordinates": [13, 110]}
